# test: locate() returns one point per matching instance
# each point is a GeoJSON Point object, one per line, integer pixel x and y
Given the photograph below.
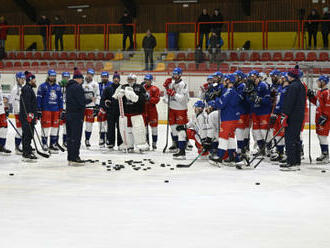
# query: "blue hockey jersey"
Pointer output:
{"type": "Point", "coordinates": [243, 105]}
{"type": "Point", "coordinates": [265, 106]}
{"type": "Point", "coordinates": [228, 104]}
{"type": "Point", "coordinates": [280, 98]}
{"type": "Point", "coordinates": [49, 97]}
{"type": "Point", "coordinates": [102, 86]}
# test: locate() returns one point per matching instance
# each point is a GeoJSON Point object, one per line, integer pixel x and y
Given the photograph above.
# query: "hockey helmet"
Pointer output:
{"type": "Point", "coordinates": [253, 73]}
{"type": "Point", "coordinates": [132, 76]}
{"type": "Point", "coordinates": [20, 75]}
{"type": "Point", "coordinates": [199, 104]}
{"type": "Point", "coordinates": [90, 71]}
{"type": "Point", "coordinates": [275, 73]}
{"type": "Point", "coordinates": [230, 77]}
{"type": "Point", "coordinates": [148, 77]}
{"type": "Point", "coordinates": [324, 78]}
{"type": "Point", "coordinates": [104, 74]}
{"type": "Point", "coordinates": [177, 71]}
{"type": "Point", "coordinates": [210, 77]}
{"type": "Point", "coordinates": [218, 74]}
{"type": "Point", "coordinates": [65, 74]}
{"type": "Point", "coordinates": [52, 73]}
{"type": "Point", "coordinates": [212, 104]}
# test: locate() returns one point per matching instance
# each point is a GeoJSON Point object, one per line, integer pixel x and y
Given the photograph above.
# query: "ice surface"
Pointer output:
{"type": "Point", "coordinates": [49, 204]}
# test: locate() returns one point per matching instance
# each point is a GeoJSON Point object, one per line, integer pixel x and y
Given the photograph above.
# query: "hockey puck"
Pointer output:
{"type": "Point", "coordinates": [257, 183]}
{"type": "Point", "coordinates": [151, 162]}
{"type": "Point", "coordinates": [168, 164]}
{"type": "Point", "coordinates": [323, 171]}
{"type": "Point", "coordinates": [145, 169]}
{"type": "Point", "coordinates": [162, 165]}
{"type": "Point", "coordinates": [11, 174]}
{"type": "Point", "coordinates": [122, 166]}
{"type": "Point", "coordinates": [109, 169]}
{"type": "Point", "coordinates": [103, 163]}
{"type": "Point", "coordinates": [171, 168]}
{"type": "Point", "coordinates": [149, 168]}
{"type": "Point", "coordinates": [166, 181]}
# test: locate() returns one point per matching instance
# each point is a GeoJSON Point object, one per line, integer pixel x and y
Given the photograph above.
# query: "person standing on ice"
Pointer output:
{"type": "Point", "coordinates": [292, 118]}
{"type": "Point", "coordinates": [63, 83]}
{"type": "Point", "coordinates": [178, 95]}
{"type": "Point", "coordinates": [50, 104]}
{"type": "Point", "coordinates": [75, 109]}
{"type": "Point", "coordinates": [92, 92]}
{"type": "Point", "coordinates": [151, 114]}
{"type": "Point", "coordinates": [322, 101]}
{"type": "Point", "coordinates": [101, 115]}
{"type": "Point", "coordinates": [28, 116]}
{"type": "Point", "coordinates": [132, 128]}
{"type": "Point", "coordinates": [3, 125]}
{"type": "Point", "coordinates": [14, 100]}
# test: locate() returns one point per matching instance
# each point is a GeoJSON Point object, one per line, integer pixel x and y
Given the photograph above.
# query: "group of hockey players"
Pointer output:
{"type": "Point", "coordinates": [231, 108]}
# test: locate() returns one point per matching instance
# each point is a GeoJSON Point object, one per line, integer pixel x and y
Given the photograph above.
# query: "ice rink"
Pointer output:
{"type": "Point", "coordinates": [51, 205]}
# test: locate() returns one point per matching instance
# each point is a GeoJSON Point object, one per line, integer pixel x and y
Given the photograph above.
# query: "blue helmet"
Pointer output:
{"type": "Point", "coordinates": [104, 74]}
{"type": "Point", "coordinates": [52, 73]}
{"type": "Point", "coordinates": [177, 71]}
{"type": "Point", "coordinates": [275, 73]}
{"type": "Point", "coordinates": [218, 74]}
{"type": "Point", "coordinates": [90, 71]}
{"type": "Point", "coordinates": [20, 75]}
{"type": "Point", "coordinates": [230, 77]}
{"type": "Point", "coordinates": [65, 74]}
{"type": "Point", "coordinates": [148, 77]}
{"type": "Point", "coordinates": [212, 104]}
{"type": "Point", "coordinates": [284, 75]}
{"type": "Point", "coordinates": [240, 74]}
{"type": "Point", "coordinates": [210, 77]}
{"type": "Point", "coordinates": [199, 104]}
{"type": "Point", "coordinates": [324, 79]}
{"type": "Point", "coordinates": [253, 72]}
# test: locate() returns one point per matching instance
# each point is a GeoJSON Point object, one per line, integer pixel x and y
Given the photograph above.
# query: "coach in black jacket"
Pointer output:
{"type": "Point", "coordinates": [293, 118]}
{"type": "Point", "coordinates": [75, 108]}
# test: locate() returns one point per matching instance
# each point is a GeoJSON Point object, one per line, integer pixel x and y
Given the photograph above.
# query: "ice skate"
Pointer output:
{"type": "Point", "coordinates": [77, 162]}
{"type": "Point", "coordinates": [4, 151]}
{"type": "Point", "coordinates": [53, 149]}
{"type": "Point", "coordinates": [215, 160]}
{"type": "Point", "coordinates": [154, 146]}
{"type": "Point", "coordinates": [87, 144]}
{"type": "Point", "coordinates": [323, 159]}
{"type": "Point", "coordinates": [102, 143]}
{"type": "Point", "coordinates": [110, 147]}
{"type": "Point", "coordinates": [276, 158]}
{"type": "Point", "coordinates": [189, 146]}
{"type": "Point", "coordinates": [30, 158]}
{"type": "Point", "coordinates": [229, 162]}
{"type": "Point", "coordinates": [173, 148]}
{"type": "Point", "coordinates": [18, 150]}
{"type": "Point", "coordinates": [181, 155]}
{"type": "Point", "coordinates": [289, 167]}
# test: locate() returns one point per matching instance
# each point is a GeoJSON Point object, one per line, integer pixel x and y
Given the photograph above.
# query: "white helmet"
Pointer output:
{"type": "Point", "coordinates": [263, 75]}
{"type": "Point", "coordinates": [132, 76]}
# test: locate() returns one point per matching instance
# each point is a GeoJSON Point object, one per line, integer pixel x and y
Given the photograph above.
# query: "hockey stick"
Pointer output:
{"type": "Point", "coordinates": [168, 124]}
{"type": "Point", "coordinates": [57, 135]}
{"type": "Point", "coordinates": [192, 162]}
{"type": "Point", "coordinates": [122, 115]}
{"type": "Point", "coordinates": [10, 122]}
{"type": "Point", "coordinates": [31, 132]}
{"type": "Point", "coordinates": [309, 125]}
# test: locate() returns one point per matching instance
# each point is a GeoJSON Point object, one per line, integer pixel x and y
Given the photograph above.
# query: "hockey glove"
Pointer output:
{"type": "Point", "coordinates": [63, 115]}
{"type": "Point", "coordinates": [96, 110]}
{"type": "Point", "coordinates": [207, 143]}
{"type": "Point", "coordinates": [39, 115]}
{"type": "Point", "coordinates": [284, 120]}
{"type": "Point", "coordinates": [30, 117]}
{"type": "Point", "coordinates": [130, 94]}
{"type": "Point", "coordinates": [272, 119]}
{"type": "Point", "coordinates": [167, 83]}
{"type": "Point", "coordinates": [119, 93]}
{"type": "Point", "coordinates": [7, 112]}
{"type": "Point", "coordinates": [101, 113]}
{"type": "Point", "coordinates": [322, 120]}
{"type": "Point", "coordinates": [107, 103]}
{"type": "Point", "coordinates": [170, 92]}
{"type": "Point", "coordinates": [310, 93]}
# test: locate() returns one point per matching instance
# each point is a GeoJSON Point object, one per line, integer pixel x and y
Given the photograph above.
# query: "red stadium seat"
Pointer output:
{"type": "Point", "coordinates": [34, 66]}
{"type": "Point", "coordinates": [1, 65]}
{"type": "Point", "coordinates": [182, 66]}
{"type": "Point", "coordinates": [99, 66]}
{"type": "Point", "coordinates": [277, 56]}
{"type": "Point", "coordinates": [46, 56]}
{"type": "Point", "coordinates": [202, 67]}
{"type": "Point", "coordinates": [53, 65]}
{"type": "Point", "coordinates": [213, 67]}
{"type": "Point", "coordinates": [90, 64]}
{"type": "Point", "coordinates": [192, 67]}
{"type": "Point", "coordinates": [72, 56]}
{"type": "Point", "coordinates": [28, 55]}
{"type": "Point", "coordinates": [233, 56]}
{"type": "Point", "coordinates": [324, 56]}
{"type": "Point", "coordinates": [100, 56]}
{"type": "Point", "coordinates": [17, 65]}
{"type": "Point", "coordinates": [43, 66]}
{"type": "Point", "coordinates": [20, 55]}
{"type": "Point", "coordinates": [63, 56]}
{"type": "Point", "coordinates": [190, 57]}
{"type": "Point", "coordinates": [266, 56]}
{"type": "Point", "coordinates": [311, 56]}
{"type": "Point", "coordinates": [300, 56]}
{"type": "Point", "coordinates": [37, 56]}
{"type": "Point", "coordinates": [70, 66]}
{"type": "Point", "coordinates": [11, 55]}
{"type": "Point", "coordinates": [9, 64]}
{"type": "Point", "coordinates": [61, 66]}
{"type": "Point", "coordinates": [325, 70]}
{"type": "Point", "coordinates": [56, 55]}
{"type": "Point", "coordinates": [288, 56]}
{"type": "Point", "coordinates": [91, 56]}
{"type": "Point", "coordinates": [109, 56]}
{"type": "Point", "coordinates": [224, 67]}
{"type": "Point", "coordinates": [180, 57]}
{"type": "Point", "coordinates": [243, 56]}
{"type": "Point", "coordinates": [26, 66]}
{"type": "Point", "coordinates": [171, 66]}
{"type": "Point", "coordinates": [255, 56]}
{"type": "Point", "coordinates": [82, 56]}
{"type": "Point", "coordinates": [316, 71]}
{"type": "Point", "coordinates": [81, 65]}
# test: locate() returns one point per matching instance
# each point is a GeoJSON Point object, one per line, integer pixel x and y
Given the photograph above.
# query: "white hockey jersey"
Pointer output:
{"type": "Point", "coordinates": [91, 90]}
{"type": "Point", "coordinates": [181, 98]}
{"type": "Point", "coordinates": [213, 124]}
{"type": "Point", "coordinates": [15, 95]}
{"type": "Point", "coordinates": [2, 104]}
{"type": "Point", "coordinates": [199, 124]}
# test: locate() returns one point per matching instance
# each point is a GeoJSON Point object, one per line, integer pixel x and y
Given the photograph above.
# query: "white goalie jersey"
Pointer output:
{"type": "Point", "coordinates": [92, 91]}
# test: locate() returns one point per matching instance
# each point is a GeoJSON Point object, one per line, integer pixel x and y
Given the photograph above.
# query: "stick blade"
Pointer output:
{"type": "Point", "coordinates": [43, 154]}
{"type": "Point", "coordinates": [183, 165]}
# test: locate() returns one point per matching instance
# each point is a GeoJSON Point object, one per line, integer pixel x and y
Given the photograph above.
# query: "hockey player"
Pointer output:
{"type": "Point", "coordinates": [92, 92]}
{"type": "Point", "coordinates": [14, 100]}
{"type": "Point", "coordinates": [322, 101]}
{"type": "Point", "coordinates": [50, 104]}
{"type": "Point", "coordinates": [212, 125]}
{"type": "Point", "coordinates": [63, 83]}
{"type": "Point", "coordinates": [228, 104]}
{"type": "Point", "coordinates": [150, 113]}
{"type": "Point", "coordinates": [110, 107]}
{"type": "Point", "coordinates": [3, 125]}
{"type": "Point", "coordinates": [27, 114]}
{"type": "Point", "coordinates": [204, 89]}
{"type": "Point", "coordinates": [197, 129]}
{"type": "Point", "coordinates": [132, 127]}
{"type": "Point", "coordinates": [177, 93]}
{"type": "Point", "coordinates": [261, 109]}
{"type": "Point", "coordinates": [101, 115]}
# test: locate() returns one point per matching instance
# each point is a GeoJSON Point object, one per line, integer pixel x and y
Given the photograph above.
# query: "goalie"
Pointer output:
{"type": "Point", "coordinates": [132, 98]}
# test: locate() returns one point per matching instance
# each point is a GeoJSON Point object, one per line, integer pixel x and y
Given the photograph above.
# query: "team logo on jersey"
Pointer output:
{"type": "Point", "coordinates": [52, 95]}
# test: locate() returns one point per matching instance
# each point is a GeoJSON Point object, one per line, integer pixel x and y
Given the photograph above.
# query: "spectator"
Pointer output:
{"type": "Point", "coordinates": [217, 17]}
{"type": "Point", "coordinates": [149, 43]}
{"type": "Point", "coordinates": [43, 30]}
{"type": "Point", "coordinates": [3, 32]}
{"type": "Point", "coordinates": [127, 29]}
{"type": "Point", "coordinates": [214, 46]}
{"type": "Point", "coordinates": [325, 28]}
{"type": "Point", "coordinates": [58, 31]}
{"type": "Point", "coordinates": [204, 29]}
{"type": "Point", "coordinates": [199, 56]}
{"type": "Point", "coordinates": [312, 28]}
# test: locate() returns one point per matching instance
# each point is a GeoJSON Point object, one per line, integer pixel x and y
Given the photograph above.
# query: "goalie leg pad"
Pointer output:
{"type": "Point", "coordinates": [123, 129]}
{"type": "Point", "coordinates": [138, 129]}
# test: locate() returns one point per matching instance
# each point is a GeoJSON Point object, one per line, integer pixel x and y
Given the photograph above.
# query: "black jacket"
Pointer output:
{"type": "Point", "coordinates": [28, 102]}
{"type": "Point", "coordinates": [137, 107]}
{"type": "Point", "coordinates": [75, 98]}
{"type": "Point", "coordinates": [126, 20]}
{"type": "Point", "coordinates": [107, 95]}
{"type": "Point", "coordinates": [58, 31]}
{"type": "Point", "coordinates": [325, 25]}
{"type": "Point", "coordinates": [217, 18]}
{"type": "Point", "coordinates": [43, 30]}
{"type": "Point", "coordinates": [204, 28]}
{"type": "Point", "coordinates": [294, 102]}
{"type": "Point", "coordinates": [149, 42]}
{"type": "Point", "coordinates": [313, 25]}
